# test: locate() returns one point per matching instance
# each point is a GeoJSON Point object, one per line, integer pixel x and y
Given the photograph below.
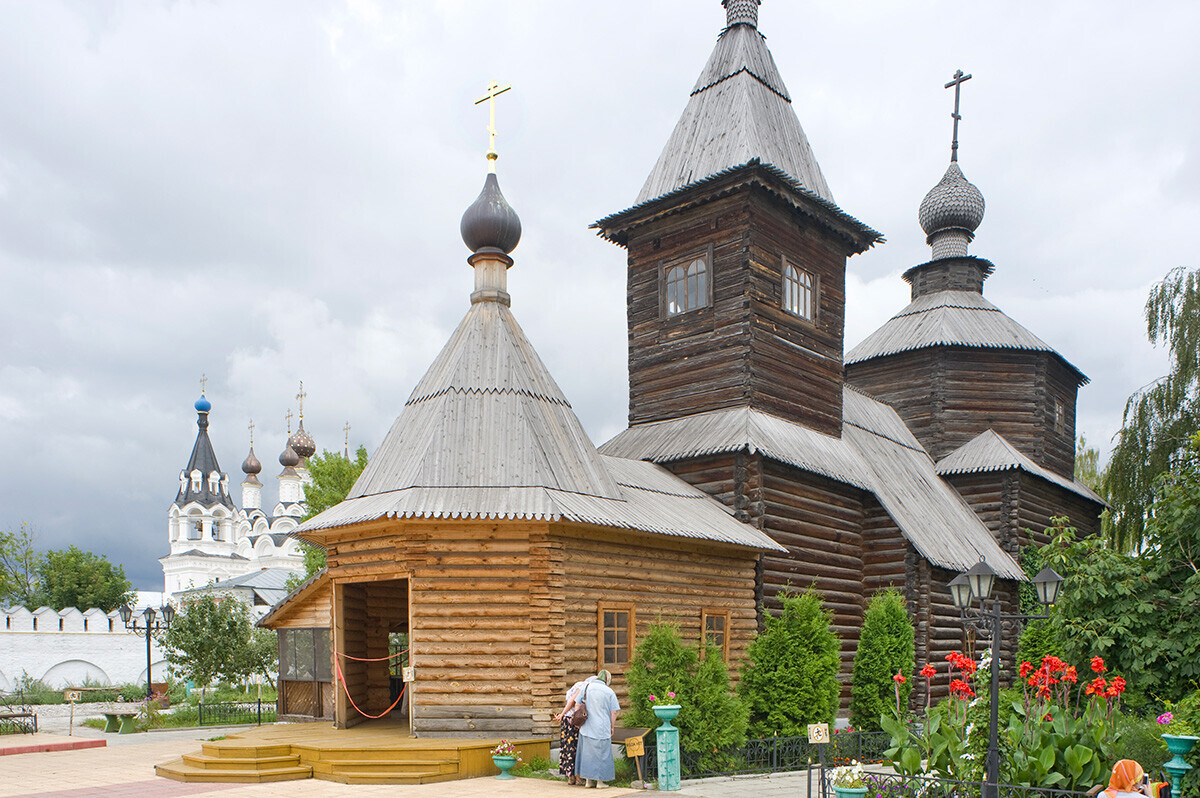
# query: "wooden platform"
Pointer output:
{"type": "Point", "coordinates": [377, 752]}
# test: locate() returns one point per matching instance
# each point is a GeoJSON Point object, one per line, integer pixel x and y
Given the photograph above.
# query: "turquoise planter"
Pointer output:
{"type": "Point", "coordinates": [849, 792]}
{"type": "Point", "coordinates": [667, 712]}
{"type": "Point", "coordinates": [505, 763]}
{"type": "Point", "coordinates": [667, 739]}
{"type": "Point", "coordinates": [1179, 745]}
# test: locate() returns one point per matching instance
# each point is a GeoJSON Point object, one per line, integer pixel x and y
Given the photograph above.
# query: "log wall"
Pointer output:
{"type": "Point", "coordinates": [742, 349]}
{"type": "Point", "coordinates": [949, 395]}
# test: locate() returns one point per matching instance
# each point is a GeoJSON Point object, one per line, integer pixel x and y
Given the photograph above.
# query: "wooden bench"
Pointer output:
{"type": "Point", "coordinates": [122, 721]}
{"type": "Point", "coordinates": [18, 715]}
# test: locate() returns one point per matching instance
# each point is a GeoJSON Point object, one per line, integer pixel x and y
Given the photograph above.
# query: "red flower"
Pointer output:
{"type": "Point", "coordinates": [1096, 686]}
{"type": "Point", "coordinates": [1026, 669]}
{"type": "Point", "coordinates": [1098, 665]}
{"type": "Point", "coordinates": [898, 679]}
{"type": "Point", "coordinates": [1047, 717]}
{"type": "Point", "coordinates": [1070, 675]}
{"type": "Point", "coordinates": [928, 672]}
{"type": "Point", "coordinates": [961, 689]}
{"type": "Point", "coordinates": [1053, 664]}
{"type": "Point", "coordinates": [1118, 685]}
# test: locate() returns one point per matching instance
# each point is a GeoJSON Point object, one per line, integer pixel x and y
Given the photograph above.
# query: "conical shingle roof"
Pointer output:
{"type": "Point", "coordinates": [739, 110]}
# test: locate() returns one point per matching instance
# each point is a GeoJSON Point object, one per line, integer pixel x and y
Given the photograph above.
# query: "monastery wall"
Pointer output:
{"type": "Point", "coordinates": [69, 648]}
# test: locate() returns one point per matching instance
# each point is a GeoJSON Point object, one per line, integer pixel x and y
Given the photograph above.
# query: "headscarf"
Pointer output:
{"type": "Point", "coordinates": [1126, 775]}
{"type": "Point", "coordinates": [605, 676]}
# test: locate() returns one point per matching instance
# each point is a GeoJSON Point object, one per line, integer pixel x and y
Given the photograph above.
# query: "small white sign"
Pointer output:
{"type": "Point", "coordinates": [406, 673]}
{"type": "Point", "coordinates": [818, 732]}
{"type": "Point", "coordinates": [72, 695]}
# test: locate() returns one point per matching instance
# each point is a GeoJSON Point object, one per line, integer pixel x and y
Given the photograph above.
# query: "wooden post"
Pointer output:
{"type": "Point", "coordinates": [341, 707]}
{"type": "Point", "coordinates": [411, 687]}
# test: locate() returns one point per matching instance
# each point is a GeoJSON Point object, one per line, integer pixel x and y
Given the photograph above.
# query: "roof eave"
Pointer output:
{"type": "Point", "coordinates": [617, 227]}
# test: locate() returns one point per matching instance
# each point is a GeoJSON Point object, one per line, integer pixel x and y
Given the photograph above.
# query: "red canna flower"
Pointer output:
{"type": "Point", "coordinates": [1070, 675]}
{"type": "Point", "coordinates": [1047, 717]}
{"type": "Point", "coordinates": [928, 672]}
{"type": "Point", "coordinates": [1118, 684]}
{"type": "Point", "coordinates": [1098, 665]}
{"type": "Point", "coordinates": [1026, 669]}
{"type": "Point", "coordinates": [898, 679]}
{"type": "Point", "coordinates": [1096, 686]}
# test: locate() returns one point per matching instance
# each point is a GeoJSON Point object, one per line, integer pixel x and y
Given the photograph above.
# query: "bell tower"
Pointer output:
{"type": "Point", "coordinates": [737, 253]}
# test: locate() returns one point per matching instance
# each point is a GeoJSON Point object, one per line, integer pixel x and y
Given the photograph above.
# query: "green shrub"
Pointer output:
{"type": "Point", "coordinates": [711, 717]}
{"type": "Point", "coordinates": [885, 648]}
{"type": "Point", "coordinates": [790, 678]}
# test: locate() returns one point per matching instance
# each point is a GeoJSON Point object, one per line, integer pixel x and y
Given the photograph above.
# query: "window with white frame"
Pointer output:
{"type": "Point", "coordinates": [799, 292]}
{"type": "Point", "coordinates": [687, 286]}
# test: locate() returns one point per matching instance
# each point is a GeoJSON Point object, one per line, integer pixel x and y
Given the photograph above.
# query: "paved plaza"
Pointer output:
{"type": "Point", "coordinates": [125, 769]}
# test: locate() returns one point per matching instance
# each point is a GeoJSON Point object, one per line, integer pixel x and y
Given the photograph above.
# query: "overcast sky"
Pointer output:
{"type": "Point", "coordinates": [269, 192]}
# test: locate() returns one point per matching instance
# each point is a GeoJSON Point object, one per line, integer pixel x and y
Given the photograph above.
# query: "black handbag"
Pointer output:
{"type": "Point", "coordinates": [580, 716]}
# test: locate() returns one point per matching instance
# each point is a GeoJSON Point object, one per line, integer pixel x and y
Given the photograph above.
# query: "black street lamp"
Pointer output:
{"type": "Point", "coordinates": [977, 583]}
{"type": "Point", "coordinates": [148, 625]}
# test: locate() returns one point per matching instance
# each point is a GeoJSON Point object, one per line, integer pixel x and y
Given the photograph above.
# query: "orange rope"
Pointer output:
{"type": "Point", "coordinates": [377, 659]}
{"type": "Point", "coordinates": [350, 698]}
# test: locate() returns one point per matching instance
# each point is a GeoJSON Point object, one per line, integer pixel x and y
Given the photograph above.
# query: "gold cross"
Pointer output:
{"type": "Point", "coordinates": [346, 429]}
{"type": "Point", "coordinates": [289, 419]}
{"type": "Point", "coordinates": [494, 89]}
{"type": "Point", "coordinates": [301, 396]}
{"type": "Point", "coordinates": [251, 428]}
{"type": "Point", "coordinates": [203, 383]}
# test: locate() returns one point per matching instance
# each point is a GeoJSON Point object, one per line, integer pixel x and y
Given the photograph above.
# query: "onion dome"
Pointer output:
{"type": "Point", "coordinates": [302, 443]}
{"type": "Point", "coordinates": [289, 458]}
{"type": "Point", "coordinates": [954, 202]}
{"type": "Point", "coordinates": [490, 224]}
{"type": "Point", "coordinates": [251, 465]}
{"type": "Point", "coordinates": [203, 405]}
{"type": "Point", "coordinates": [741, 12]}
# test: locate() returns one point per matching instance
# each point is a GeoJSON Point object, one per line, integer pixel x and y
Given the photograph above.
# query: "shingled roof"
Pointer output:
{"type": "Point", "coordinates": [950, 318]}
{"type": "Point", "coordinates": [488, 434]}
{"type": "Point", "coordinates": [739, 110]}
{"type": "Point", "coordinates": [876, 452]}
{"type": "Point", "coordinates": [989, 451]}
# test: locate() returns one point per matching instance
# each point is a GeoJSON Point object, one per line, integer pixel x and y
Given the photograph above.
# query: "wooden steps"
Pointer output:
{"type": "Point", "coordinates": [378, 754]}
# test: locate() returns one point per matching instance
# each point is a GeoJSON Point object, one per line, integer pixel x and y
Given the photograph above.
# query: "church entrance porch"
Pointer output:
{"type": "Point", "coordinates": [370, 628]}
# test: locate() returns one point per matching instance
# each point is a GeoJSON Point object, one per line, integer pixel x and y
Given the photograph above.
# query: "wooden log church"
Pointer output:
{"type": "Point", "coordinates": [519, 558]}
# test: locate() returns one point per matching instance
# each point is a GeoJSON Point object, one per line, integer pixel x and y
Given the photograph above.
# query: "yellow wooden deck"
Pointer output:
{"type": "Point", "coordinates": [375, 752]}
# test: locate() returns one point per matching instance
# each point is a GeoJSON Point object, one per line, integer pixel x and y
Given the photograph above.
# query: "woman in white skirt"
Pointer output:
{"type": "Point", "coordinates": [594, 760]}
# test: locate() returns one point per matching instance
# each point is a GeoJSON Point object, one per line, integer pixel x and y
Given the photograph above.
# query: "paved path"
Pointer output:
{"type": "Point", "coordinates": [127, 771]}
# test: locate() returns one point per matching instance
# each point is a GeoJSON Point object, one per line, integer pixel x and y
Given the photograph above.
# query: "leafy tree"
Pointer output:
{"type": "Point", "coordinates": [1087, 466]}
{"type": "Point", "coordinates": [1159, 419]}
{"type": "Point", "coordinates": [209, 638]}
{"type": "Point", "coordinates": [790, 678]}
{"type": "Point", "coordinates": [261, 655]}
{"type": "Point", "coordinates": [72, 577]}
{"type": "Point", "coordinates": [19, 562]}
{"type": "Point", "coordinates": [711, 717]}
{"type": "Point", "coordinates": [885, 648]}
{"type": "Point", "coordinates": [333, 475]}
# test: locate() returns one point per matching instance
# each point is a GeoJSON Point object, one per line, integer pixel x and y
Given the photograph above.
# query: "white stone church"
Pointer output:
{"type": "Point", "coordinates": [216, 543]}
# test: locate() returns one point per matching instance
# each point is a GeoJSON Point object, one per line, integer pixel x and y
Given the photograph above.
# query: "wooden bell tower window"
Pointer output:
{"type": "Point", "coordinates": [614, 638]}
{"type": "Point", "coordinates": [799, 292]}
{"type": "Point", "coordinates": [716, 630]}
{"type": "Point", "coordinates": [687, 286]}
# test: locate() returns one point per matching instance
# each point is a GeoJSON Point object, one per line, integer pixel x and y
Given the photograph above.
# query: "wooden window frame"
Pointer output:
{"type": "Point", "coordinates": [664, 271]}
{"type": "Point", "coordinates": [707, 613]}
{"type": "Point", "coordinates": [615, 606]}
{"type": "Point", "coordinates": [1060, 417]}
{"type": "Point", "coordinates": [814, 290]}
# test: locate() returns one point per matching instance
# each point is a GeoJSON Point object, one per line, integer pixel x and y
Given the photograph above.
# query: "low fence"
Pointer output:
{"type": "Point", "coordinates": [237, 712]}
{"type": "Point", "coordinates": [777, 754]}
{"type": "Point", "coordinates": [888, 785]}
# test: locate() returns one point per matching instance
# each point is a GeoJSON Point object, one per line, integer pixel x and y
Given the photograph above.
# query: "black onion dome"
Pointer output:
{"type": "Point", "coordinates": [302, 443]}
{"type": "Point", "coordinates": [251, 465]}
{"type": "Point", "coordinates": [490, 222]}
{"type": "Point", "coordinates": [954, 202]}
{"type": "Point", "coordinates": [289, 458]}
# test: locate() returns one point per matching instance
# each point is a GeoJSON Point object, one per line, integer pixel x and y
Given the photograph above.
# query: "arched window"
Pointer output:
{"type": "Point", "coordinates": [687, 287]}
{"type": "Point", "coordinates": [798, 292]}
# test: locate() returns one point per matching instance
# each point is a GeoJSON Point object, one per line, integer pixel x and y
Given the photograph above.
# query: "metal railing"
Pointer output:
{"type": "Point", "coordinates": [231, 713]}
{"type": "Point", "coordinates": [889, 785]}
{"type": "Point", "coordinates": [776, 754]}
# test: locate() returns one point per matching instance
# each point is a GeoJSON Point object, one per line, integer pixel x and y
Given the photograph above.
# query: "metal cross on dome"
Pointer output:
{"type": "Point", "coordinates": [346, 429]}
{"type": "Point", "coordinates": [957, 82]}
{"type": "Point", "coordinates": [289, 420]}
{"type": "Point", "coordinates": [494, 90]}
{"type": "Point", "coordinates": [301, 396]}
{"type": "Point", "coordinates": [251, 428]}
{"type": "Point", "coordinates": [203, 383]}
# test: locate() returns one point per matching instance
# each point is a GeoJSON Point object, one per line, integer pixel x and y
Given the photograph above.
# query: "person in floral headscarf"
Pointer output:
{"type": "Point", "coordinates": [1128, 780]}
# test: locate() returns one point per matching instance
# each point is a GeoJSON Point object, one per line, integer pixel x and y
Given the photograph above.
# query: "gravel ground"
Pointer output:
{"type": "Point", "coordinates": [56, 718]}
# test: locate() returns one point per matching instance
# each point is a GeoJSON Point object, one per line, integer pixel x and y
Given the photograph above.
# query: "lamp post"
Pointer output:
{"type": "Point", "coordinates": [148, 624]}
{"type": "Point", "coordinates": [977, 583]}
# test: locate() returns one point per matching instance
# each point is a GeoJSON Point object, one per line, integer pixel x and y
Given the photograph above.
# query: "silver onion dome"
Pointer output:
{"type": "Point", "coordinates": [954, 203]}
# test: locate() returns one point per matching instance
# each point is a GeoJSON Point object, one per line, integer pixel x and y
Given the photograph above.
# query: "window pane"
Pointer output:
{"type": "Point", "coordinates": [324, 664]}
{"type": "Point", "coordinates": [285, 653]}
{"type": "Point", "coordinates": [622, 638]}
{"type": "Point", "coordinates": [610, 637]}
{"type": "Point", "coordinates": [622, 619]}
